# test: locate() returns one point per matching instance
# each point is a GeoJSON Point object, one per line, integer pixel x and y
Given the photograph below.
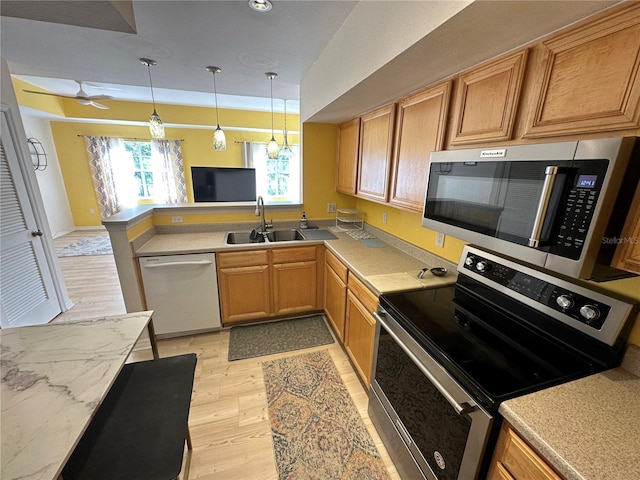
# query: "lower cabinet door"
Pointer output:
{"type": "Point", "coordinates": [335, 300]}
{"type": "Point", "coordinates": [244, 293]}
{"type": "Point", "coordinates": [294, 287]}
{"type": "Point", "coordinates": [359, 336]}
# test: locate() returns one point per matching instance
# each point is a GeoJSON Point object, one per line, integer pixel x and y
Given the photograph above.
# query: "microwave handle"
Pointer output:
{"type": "Point", "coordinates": [550, 174]}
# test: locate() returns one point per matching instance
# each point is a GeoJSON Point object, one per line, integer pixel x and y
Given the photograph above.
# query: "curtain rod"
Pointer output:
{"type": "Point", "coordinates": [134, 139]}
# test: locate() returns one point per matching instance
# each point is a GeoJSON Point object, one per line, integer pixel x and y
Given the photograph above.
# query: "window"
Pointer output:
{"type": "Point", "coordinates": [142, 167]}
{"type": "Point", "coordinates": [278, 181]}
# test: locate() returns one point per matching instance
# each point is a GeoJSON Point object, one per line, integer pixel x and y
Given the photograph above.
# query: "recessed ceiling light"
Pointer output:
{"type": "Point", "coordinates": [260, 5]}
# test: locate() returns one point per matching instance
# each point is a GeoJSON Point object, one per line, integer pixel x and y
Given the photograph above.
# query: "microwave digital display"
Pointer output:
{"type": "Point", "coordinates": [587, 181]}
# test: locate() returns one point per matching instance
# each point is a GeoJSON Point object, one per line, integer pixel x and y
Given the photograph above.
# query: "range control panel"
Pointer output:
{"type": "Point", "coordinates": [559, 296]}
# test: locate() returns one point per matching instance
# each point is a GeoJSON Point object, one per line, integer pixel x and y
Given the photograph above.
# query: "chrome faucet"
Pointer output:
{"type": "Point", "coordinates": [260, 213]}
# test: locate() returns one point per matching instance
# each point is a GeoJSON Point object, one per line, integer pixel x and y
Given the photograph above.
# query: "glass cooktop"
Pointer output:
{"type": "Point", "coordinates": [487, 351]}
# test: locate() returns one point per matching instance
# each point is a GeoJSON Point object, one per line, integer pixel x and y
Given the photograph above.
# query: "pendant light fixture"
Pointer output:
{"type": "Point", "coordinates": [156, 126]}
{"type": "Point", "coordinates": [272, 149]}
{"type": "Point", "coordinates": [219, 139]}
{"type": "Point", "coordinates": [286, 149]}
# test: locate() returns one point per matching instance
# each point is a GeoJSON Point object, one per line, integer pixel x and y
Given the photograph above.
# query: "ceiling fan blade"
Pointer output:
{"type": "Point", "coordinates": [51, 94]}
{"type": "Point", "coordinates": [98, 105]}
{"type": "Point", "coordinates": [99, 97]}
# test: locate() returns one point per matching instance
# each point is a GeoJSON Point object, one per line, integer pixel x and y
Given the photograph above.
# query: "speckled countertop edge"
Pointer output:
{"type": "Point", "coordinates": [391, 267]}
{"type": "Point", "coordinates": [586, 429]}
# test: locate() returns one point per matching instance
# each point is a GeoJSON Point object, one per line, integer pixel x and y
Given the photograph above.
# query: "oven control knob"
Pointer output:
{"type": "Point", "coordinates": [469, 261]}
{"type": "Point", "coordinates": [589, 312]}
{"type": "Point", "coordinates": [565, 302]}
{"type": "Point", "coordinates": [483, 266]}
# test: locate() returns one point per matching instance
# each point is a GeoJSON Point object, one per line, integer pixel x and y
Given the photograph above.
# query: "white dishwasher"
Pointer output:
{"type": "Point", "coordinates": [182, 291]}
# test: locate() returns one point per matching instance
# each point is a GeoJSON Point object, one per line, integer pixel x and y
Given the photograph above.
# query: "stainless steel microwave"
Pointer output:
{"type": "Point", "coordinates": [560, 206]}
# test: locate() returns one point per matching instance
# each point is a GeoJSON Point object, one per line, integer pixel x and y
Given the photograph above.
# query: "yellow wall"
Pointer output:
{"type": "Point", "coordinates": [197, 150]}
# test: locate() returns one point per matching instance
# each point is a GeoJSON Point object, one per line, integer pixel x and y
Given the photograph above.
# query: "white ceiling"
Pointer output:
{"type": "Point", "coordinates": [293, 39]}
{"type": "Point", "coordinates": [183, 37]}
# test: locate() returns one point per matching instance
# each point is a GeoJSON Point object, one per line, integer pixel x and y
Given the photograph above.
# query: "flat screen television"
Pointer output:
{"type": "Point", "coordinates": [223, 184]}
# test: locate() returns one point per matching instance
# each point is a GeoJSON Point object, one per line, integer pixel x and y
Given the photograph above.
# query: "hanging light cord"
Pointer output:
{"type": "Point", "coordinates": [215, 90]}
{"type": "Point", "coordinates": [285, 117]}
{"type": "Point", "coordinates": [151, 83]}
{"type": "Point", "coordinates": [271, 78]}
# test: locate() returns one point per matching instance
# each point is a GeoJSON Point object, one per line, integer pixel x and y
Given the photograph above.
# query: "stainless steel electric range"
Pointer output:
{"type": "Point", "coordinates": [447, 357]}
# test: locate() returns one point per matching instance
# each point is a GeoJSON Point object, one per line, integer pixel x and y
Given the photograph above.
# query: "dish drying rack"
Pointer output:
{"type": "Point", "coordinates": [351, 221]}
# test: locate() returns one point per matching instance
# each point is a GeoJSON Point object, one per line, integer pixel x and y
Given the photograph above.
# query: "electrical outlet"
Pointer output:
{"type": "Point", "coordinates": [384, 217]}
{"type": "Point", "coordinates": [439, 239]}
{"type": "Point", "coordinates": [92, 211]}
{"type": "Point", "coordinates": [331, 208]}
{"type": "Point", "coordinates": [176, 219]}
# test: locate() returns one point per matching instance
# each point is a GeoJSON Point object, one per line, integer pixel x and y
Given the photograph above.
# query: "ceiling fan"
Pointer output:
{"type": "Point", "coordinates": [81, 97]}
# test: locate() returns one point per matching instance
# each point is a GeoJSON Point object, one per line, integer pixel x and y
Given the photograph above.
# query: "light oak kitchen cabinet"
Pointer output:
{"type": "Point", "coordinates": [487, 98]}
{"type": "Point", "coordinates": [347, 167]}
{"type": "Point", "coordinates": [420, 129]}
{"type": "Point", "coordinates": [360, 327]}
{"type": "Point", "coordinates": [588, 79]}
{"type": "Point", "coordinates": [335, 293]}
{"type": "Point", "coordinates": [514, 459]}
{"type": "Point", "coordinates": [295, 279]}
{"type": "Point", "coordinates": [627, 255]}
{"type": "Point", "coordinates": [376, 144]}
{"type": "Point", "coordinates": [262, 284]}
{"type": "Point", "coordinates": [244, 285]}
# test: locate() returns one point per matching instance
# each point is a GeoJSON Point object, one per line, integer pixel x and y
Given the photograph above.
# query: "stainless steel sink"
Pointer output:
{"type": "Point", "coordinates": [235, 238]}
{"type": "Point", "coordinates": [284, 235]}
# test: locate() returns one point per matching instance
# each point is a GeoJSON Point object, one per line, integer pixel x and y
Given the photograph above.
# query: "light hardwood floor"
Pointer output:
{"type": "Point", "coordinates": [228, 421]}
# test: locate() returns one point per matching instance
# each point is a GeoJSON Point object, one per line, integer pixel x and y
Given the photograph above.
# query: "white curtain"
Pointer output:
{"type": "Point", "coordinates": [169, 185]}
{"type": "Point", "coordinates": [112, 174]}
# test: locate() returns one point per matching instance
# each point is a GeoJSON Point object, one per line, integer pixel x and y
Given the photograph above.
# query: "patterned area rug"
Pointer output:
{"type": "Point", "coordinates": [316, 429]}
{"type": "Point", "coordinates": [276, 337]}
{"type": "Point", "coordinates": [95, 245]}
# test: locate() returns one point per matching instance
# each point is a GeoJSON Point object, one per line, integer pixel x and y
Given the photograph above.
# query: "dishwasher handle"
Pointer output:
{"type": "Point", "coordinates": [178, 264]}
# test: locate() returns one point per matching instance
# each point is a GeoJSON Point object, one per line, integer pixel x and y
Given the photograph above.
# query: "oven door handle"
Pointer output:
{"type": "Point", "coordinates": [550, 174]}
{"type": "Point", "coordinates": [460, 408]}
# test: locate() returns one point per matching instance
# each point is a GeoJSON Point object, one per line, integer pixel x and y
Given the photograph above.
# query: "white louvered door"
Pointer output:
{"type": "Point", "coordinates": [27, 290]}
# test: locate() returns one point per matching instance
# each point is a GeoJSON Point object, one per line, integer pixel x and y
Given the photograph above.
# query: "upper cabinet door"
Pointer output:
{"type": "Point", "coordinates": [487, 100]}
{"type": "Point", "coordinates": [420, 130]}
{"type": "Point", "coordinates": [376, 143]}
{"type": "Point", "coordinates": [588, 79]}
{"type": "Point", "coordinates": [347, 168]}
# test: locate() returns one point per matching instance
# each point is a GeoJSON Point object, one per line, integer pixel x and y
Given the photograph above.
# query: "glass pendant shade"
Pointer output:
{"type": "Point", "coordinates": [273, 150]}
{"type": "Point", "coordinates": [156, 127]}
{"type": "Point", "coordinates": [219, 140]}
{"type": "Point", "coordinates": [285, 151]}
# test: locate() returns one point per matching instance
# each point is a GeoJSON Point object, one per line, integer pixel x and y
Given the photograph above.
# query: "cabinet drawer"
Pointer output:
{"type": "Point", "coordinates": [362, 293]}
{"type": "Point", "coordinates": [520, 460]}
{"type": "Point", "coordinates": [243, 259]}
{"type": "Point", "coordinates": [295, 254]}
{"type": "Point", "coordinates": [337, 266]}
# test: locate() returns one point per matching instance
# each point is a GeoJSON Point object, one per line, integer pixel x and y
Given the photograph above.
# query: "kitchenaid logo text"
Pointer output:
{"type": "Point", "coordinates": [620, 240]}
{"type": "Point", "coordinates": [493, 153]}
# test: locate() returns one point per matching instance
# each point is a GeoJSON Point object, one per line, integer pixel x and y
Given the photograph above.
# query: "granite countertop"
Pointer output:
{"type": "Point", "coordinates": [383, 267]}
{"type": "Point", "coordinates": [587, 429]}
{"type": "Point", "coordinates": [54, 377]}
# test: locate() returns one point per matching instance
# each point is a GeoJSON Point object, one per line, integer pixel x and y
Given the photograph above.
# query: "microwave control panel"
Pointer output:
{"type": "Point", "coordinates": [562, 300]}
{"type": "Point", "coordinates": [578, 206]}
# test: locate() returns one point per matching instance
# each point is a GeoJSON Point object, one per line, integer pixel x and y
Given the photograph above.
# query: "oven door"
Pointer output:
{"type": "Point", "coordinates": [430, 425]}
